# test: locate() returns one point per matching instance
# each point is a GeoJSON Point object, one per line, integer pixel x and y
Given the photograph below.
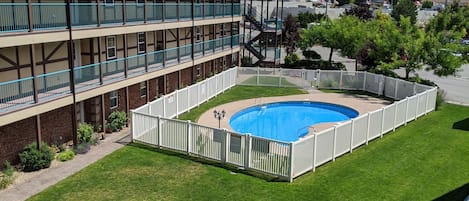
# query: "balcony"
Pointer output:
{"type": "Point", "coordinates": [21, 93]}
{"type": "Point", "coordinates": [52, 16]}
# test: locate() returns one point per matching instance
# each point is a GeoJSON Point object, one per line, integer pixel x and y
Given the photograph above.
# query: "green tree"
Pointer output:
{"type": "Point", "coordinates": [305, 18]}
{"type": "Point", "coordinates": [405, 8]}
{"type": "Point", "coordinates": [363, 12]}
{"type": "Point", "coordinates": [290, 34]}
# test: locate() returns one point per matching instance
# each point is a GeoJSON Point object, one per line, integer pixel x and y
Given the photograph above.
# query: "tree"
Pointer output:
{"type": "Point", "coordinates": [290, 33]}
{"type": "Point", "coordinates": [362, 12]}
{"type": "Point", "coordinates": [405, 8]}
{"type": "Point", "coordinates": [305, 18]}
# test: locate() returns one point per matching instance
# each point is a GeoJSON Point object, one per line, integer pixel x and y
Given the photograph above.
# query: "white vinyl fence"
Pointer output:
{"type": "Point", "coordinates": [152, 124]}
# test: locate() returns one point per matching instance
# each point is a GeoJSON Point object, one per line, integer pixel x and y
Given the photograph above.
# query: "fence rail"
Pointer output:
{"type": "Point", "coordinates": [152, 124]}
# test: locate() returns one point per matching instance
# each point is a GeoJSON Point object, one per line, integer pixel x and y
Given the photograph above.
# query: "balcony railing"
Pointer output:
{"type": "Point", "coordinates": [17, 94]}
{"type": "Point", "coordinates": [14, 17]}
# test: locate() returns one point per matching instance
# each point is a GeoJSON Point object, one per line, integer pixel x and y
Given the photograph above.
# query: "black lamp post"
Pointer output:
{"type": "Point", "coordinates": [219, 115]}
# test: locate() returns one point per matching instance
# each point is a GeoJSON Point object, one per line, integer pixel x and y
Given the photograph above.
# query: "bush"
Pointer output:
{"type": "Point", "coordinates": [291, 59]}
{"type": "Point", "coordinates": [82, 148]}
{"type": "Point", "coordinates": [33, 159]}
{"type": "Point", "coordinates": [427, 4]}
{"type": "Point", "coordinates": [311, 54]}
{"type": "Point", "coordinates": [7, 178]}
{"type": "Point", "coordinates": [66, 155]}
{"type": "Point", "coordinates": [440, 98]}
{"type": "Point", "coordinates": [85, 134]}
{"type": "Point", "coordinates": [116, 120]}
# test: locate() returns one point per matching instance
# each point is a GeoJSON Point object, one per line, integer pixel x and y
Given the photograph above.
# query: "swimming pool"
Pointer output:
{"type": "Point", "coordinates": [288, 121]}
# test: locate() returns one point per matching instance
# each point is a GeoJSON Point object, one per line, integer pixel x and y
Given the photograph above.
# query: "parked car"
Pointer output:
{"type": "Point", "coordinates": [465, 41]}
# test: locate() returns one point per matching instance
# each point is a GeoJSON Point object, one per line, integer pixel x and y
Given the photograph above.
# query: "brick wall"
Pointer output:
{"type": "Point", "coordinates": [172, 82]}
{"type": "Point", "coordinates": [187, 76]}
{"type": "Point", "coordinates": [56, 125]}
{"type": "Point", "coordinates": [13, 138]}
{"type": "Point", "coordinates": [135, 100]}
{"type": "Point", "coordinates": [107, 103]}
{"type": "Point", "coordinates": [153, 85]}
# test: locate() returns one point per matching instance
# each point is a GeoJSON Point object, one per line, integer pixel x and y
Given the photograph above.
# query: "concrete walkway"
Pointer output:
{"type": "Point", "coordinates": [29, 184]}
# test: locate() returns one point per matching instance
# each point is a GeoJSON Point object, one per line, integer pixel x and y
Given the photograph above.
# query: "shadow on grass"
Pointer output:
{"type": "Point", "coordinates": [206, 161]}
{"type": "Point", "coordinates": [462, 125]}
{"type": "Point", "coordinates": [456, 194]}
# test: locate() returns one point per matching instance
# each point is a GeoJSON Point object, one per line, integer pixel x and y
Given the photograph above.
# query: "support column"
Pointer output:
{"type": "Point", "coordinates": [101, 66]}
{"type": "Point", "coordinates": [30, 16]}
{"type": "Point", "coordinates": [72, 75]}
{"type": "Point", "coordinates": [124, 14]}
{"type": "Point", "coordinates": [103, 113]}
{"type": "Point", "coordinates": [32, 54]}
{"type": "Point", "coordinates": [127, 107]}
{"type": "Point", "coordinates": [126, 54]}
{"type": "Point", "coordinates": [38, 131]}
{"type": "Point", "coordinates": [178, 45]}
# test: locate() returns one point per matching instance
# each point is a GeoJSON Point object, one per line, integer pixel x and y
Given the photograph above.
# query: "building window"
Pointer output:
{"type": "Point", "coordinates": [197, 34]}
{"type": "Point", "coordinates": [108, 2]}
{"type": "Point", "coordinates": [143, 89]}
{"type": "Point", "coordinates": [114, 99]}
{"type": "Point", "coordinates": [199, 70]}
{"type": "Point", "coordinates": [141, 42]}
{"type": "Point", "coordinates": [111, 47]}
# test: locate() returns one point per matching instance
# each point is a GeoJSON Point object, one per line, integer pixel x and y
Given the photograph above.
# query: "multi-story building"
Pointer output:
{"type": "Point", "coordinates": [62, 63]}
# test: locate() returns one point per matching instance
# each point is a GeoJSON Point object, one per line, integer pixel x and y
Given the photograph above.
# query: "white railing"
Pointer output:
{"type": "Point", "coordinates": [152, 123]}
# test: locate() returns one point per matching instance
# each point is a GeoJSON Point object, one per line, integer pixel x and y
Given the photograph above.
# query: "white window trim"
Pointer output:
{"type": "Point", "coordinates": [143, 86]}
{"type": "Point", "coordinates": [222, 30]}
{"type": "Point", "coordinates": [141, 42]}
{"type": "Point", "coordinates": [224, 62]}
{"type": "Point", "coordinates": [107, 47]}
{"type": "Point", "coordinates": [112, 96]}
{"type": "Point", "coordinates": [199, 70]}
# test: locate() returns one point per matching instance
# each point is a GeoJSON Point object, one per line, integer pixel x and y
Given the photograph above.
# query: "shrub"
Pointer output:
{"type": "Point", "coordinates": [440, 98]}
{"type": "Point", "coordinates": [116, 120]}
{"type": "Point", "coordinates": [66, 155]}
{"type": "Point", "coordinates": [311, 54]}
{"type": "Point", "coordinates": [291, 59]}
{"type": "Point", "coordinates": [85, 134]}
{"type": "Point", "coordinates": [33, 159]}
{"type": "Point", "coordinates": [82, 148]}
{"type": "Point", "coordinates": [7, 178]}
{"type": "Point", "coordinates": [427, 4]}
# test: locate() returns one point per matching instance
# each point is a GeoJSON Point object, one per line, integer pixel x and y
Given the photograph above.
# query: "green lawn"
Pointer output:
{"type": "Point", "coordinates": [239, 93]}
{"type": "Point", "coordinates": [422, 161]}
{"type": "Point", "coordinates": [269, 81]}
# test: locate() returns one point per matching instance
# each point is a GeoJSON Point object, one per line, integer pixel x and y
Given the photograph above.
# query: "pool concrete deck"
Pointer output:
{"type": "Point", "coordinates": [361, 103]}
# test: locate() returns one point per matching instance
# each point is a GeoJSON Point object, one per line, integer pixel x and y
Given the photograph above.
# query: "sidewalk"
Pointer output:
{"type": "Point", "coordinates": [29, 184]}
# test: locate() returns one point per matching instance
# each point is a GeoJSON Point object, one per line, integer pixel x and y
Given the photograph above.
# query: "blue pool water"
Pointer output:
{"type": "Point", "coordinates": [287, 121]}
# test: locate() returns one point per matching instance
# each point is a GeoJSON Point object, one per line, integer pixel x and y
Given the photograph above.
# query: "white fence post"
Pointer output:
{"type": "Point", "coordinates": [158, 118]}
{"type": "Point", "coordinates": [382, 122]}
{"type": "Point", "coordinates": [364, 81]}
{"type": "Point", "coordinates": [132, 124]}
{"type": "Point", "coordinates": [227, 145]}
{"type": "Point", "coordinates": [340, 80]}
{"type": "Point", "coordinates": [351, 134]}
{"type": "Point", "coordinates": [247, 158]}
{"type": "Point", "coordinates": [164, 105]}
{"type": "Point", "coordinates": [177, 103]}
{"type": "Point", "coordinates": [334, 143]}
{"type": "Point", "coordinates": [406, 110]}
{"type": "Point", "coordinates": [318, 79]}
{"type": "Point", "coordinates": [395, 118]}
{"type": "Point", "coordinates": [280, 78]}
{"type": "Point", "coordinates": [290, 160]}
{"type": "Point", "coordinates": [189, 137]}
{"type": "Point", "coordinates": [426, 102]}
{"type": "Point", "coordinates": [417, 107]}
{"type": "Point", "coordinates": [368, 128]}
{"type": "Point", "coordinates": [314, 151]}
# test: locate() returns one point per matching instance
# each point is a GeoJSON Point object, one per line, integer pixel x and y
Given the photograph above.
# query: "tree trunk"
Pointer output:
{"type": "Point", "coordinates": [330, 57]}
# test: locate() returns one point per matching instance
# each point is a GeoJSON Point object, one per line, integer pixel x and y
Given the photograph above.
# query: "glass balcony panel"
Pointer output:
{"type": "Point", "coordinates": [218, 43]}
{"type": "Point", "coordinates": [136, 64]}
{"type": "Point", "coordinates": [86, 76]}
{"type": "Point", "coordinates": [53, 84]}
{"type": "Point", "coordinates": [155, 60]}
{"type": "Point", "coordinates": [236, 9]}
{"type": "Point", "coordinates": [209, 12]}
{"type": "Point", "coordinates": [235, 41]}
{"type": "Point", "coordinates": [134, 12]}
{"type": "Point", "coordinates": [111, 14]}
{"type": "Point", "coordinates": [209, 47]}
{"type": "Point", "coordinates": [228, 9]}
{"type": "Point", "coordinates": [171, 11]}
{"type": "Point", "coordinates": [84, 14]}
{"type": "Point", "coordinates": [49, 15]}
{"type": "Point", "coordinates": [219, 10]}
{"type": "Point", "coordinates": [198, 10]}
{"type": "Point", "coordinates": [185, 52]}
{"type": "Point", "coordinates": [13, 17]}
{"type": "Point", "coordinates": [198, 49]}
{"type": "Point", "coordinates": [113, 70]}
{"type": "Point", "coordinates": [171, 55]}
{"type": "Point", "coordinates": [185, 11]}
{"type": "Point", "coordinates": [154, 11]}
{"type": "Point", "coordinates": [16, 93]}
